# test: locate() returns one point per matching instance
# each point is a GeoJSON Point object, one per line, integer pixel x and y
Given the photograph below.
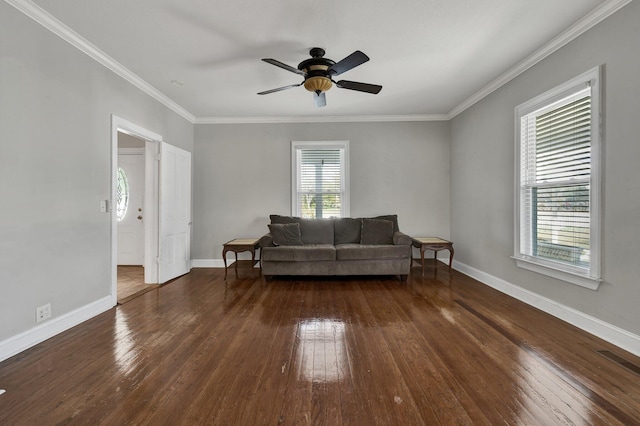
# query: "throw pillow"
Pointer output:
{"type": "Point", "coordinates": [377, 231]}
{"type": "Point", "coordinates": [286, 234]}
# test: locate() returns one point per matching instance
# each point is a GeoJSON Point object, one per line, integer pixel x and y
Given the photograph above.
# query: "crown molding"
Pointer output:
{"type": "Point", "coordinates": [587, 22]}
{"type": "Point", "coordinates": [42, 17]}
{"type": "Point", "coordinates": [320, 119]}
{"type": "Point", "coordinates": [594, 17]}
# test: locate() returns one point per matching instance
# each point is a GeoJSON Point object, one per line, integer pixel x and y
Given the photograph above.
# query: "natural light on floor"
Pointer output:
{"type": "Point", "coordinates": [322, 350]}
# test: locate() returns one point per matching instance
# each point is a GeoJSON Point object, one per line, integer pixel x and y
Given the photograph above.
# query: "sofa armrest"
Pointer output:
{"type": "Point", "coordinates": [401, 239]}
{"type": "Point", "coordinates": [266, 241]}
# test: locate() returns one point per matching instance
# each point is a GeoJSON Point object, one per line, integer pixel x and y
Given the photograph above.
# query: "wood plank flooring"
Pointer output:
{"type": "Point", "coordinates": [131, 283]}
{"type": "Point", "coordinates": [441, 349]}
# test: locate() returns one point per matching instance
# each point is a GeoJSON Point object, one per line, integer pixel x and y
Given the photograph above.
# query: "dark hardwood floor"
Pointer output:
{"type": "Point", "coordinates": [131, 283]}
{"type": "Point", "coordinates": [437, 350]}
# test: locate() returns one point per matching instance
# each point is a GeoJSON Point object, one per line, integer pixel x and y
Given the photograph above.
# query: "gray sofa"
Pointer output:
{"type": "Point", "coordinates": [337, 246]}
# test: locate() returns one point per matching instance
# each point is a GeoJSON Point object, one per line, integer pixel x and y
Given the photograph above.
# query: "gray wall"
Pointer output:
{"type": "Point", "coordinates": [482, 179]}
{"type": "Point", "coordinates": [55, 147]}
{"type": "Point", "coordinates": [55, 155]}
{"type": "Point", "coordinates": [243, 174]}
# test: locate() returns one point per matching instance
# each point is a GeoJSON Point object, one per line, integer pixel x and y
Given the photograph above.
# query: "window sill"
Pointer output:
{"type": "Point", "coordinates": [558, 273]}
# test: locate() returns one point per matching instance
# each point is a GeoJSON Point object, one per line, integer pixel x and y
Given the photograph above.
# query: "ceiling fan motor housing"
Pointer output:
{"type": "Point", "coordinates": [317, 77]}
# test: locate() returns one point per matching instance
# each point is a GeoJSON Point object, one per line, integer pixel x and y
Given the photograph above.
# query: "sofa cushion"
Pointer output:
{"type": "Point", "coordinates": [393, 218]}
{"type": "Point", "coordinates": [346, 230]}
{"type": "Point", "coordinates": [285, 234]}
{"type": "Point", "coordinates": [276, 218]}
{"type": "Point", "coordinates": [370, 252]}
{"type": "Point", "coordinates": [376, 231]}
{"type": "Point", "coordinates": [316, 231]}
{"type": "Point", "coordinates": [307, 252]}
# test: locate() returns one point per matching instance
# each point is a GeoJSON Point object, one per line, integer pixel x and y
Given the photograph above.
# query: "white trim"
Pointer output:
{"type": "Point", "coordinates": [321, 119]}
{"type": "Point", "coordinates": [590, 20]}
{"type": "Point", "coordinates": [593, 18]}
{"type": "Point", "coordinates": [20, 342]}
{"type": "Point", "coordinates": [609, 332]}
{"type": "Point", "coordinates": [132, 129]}
{"type": "Point", "coordinates": [42, 17]}
{"type": "Point", "coordinates": [130, 151]}
{"type": "Point", "coordinates": [119, 124]}
{"type": "Point", "coordinates": [207, 263]}
{"type": "Point", "coordinates": [213, 263]}
{"type": "Point", "coordinates": [590, 278]}
{"type": "Point", "coordinates": [151, 208]}
{"type": "Point", "coordinates": [558, 273]}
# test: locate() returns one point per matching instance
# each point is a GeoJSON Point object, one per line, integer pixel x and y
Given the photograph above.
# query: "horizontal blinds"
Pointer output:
{"type": "Point", "coordinates": [556, 171]}
{"type": "Point", "coordinates": [320, 182]}
{"type": "Point", "coordinates": [563, 142]}
{"type": "Point", "coordinates": [562, 223]}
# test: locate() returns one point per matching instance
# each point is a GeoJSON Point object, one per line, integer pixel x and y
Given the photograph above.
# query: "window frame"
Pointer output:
{"type": "Point", "coordinates": [345, 209]}
{"type": "Point", "coordinates": [591, 277]}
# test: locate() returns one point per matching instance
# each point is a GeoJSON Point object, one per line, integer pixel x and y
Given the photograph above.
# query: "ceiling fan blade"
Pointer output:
{"type": "Point", "coordinates": [360, 87]}
{"type": "Point", "coordinates": [283, 66]}
{"type": "Point", "coordinates": [291, 86]}
{"type": "Point", "coordinates": [351, 61]}
{"type": "Point", "coordinates": [320, 99]}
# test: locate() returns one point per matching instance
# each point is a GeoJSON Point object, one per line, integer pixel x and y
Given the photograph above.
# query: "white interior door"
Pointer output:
{"type": "Point", "coordinates": [174, 212]}
{"type": "Point", "coordinates": [130, 225]}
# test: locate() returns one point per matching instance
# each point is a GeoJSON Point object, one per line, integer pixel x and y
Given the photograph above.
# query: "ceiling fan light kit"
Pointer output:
{"type": "Point", "coordinates": [318, 72]}
{"type": "Point", "coordinates": [317, 84]}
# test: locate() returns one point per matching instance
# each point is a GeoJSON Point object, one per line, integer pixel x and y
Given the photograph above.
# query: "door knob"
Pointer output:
{"type": "Point", "coordinates": [140, 217]}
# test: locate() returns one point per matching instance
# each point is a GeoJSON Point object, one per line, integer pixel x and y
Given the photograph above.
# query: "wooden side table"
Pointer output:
{"type": "Point", "coordinates": [239, 245]}
{"type": "Point", "coordinates": [433, 243]}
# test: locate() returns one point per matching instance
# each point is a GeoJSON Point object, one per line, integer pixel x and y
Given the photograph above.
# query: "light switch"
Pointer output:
{"type": "Point", "coordinates": [103, 206]}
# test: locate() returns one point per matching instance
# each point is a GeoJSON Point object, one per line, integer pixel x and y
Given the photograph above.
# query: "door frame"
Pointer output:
{"type": "Point", "coordinates": [150, 204]}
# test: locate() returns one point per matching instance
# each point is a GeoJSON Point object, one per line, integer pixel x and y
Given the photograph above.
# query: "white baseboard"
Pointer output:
{"type": "Point", "coordinates": [212, 263]}
{"type": "Point", "coordinates": [20, 342]}
{"type": "Point", "coordinates": [609, 332]}
{"type": "Point", "coordinates": [207, 263]}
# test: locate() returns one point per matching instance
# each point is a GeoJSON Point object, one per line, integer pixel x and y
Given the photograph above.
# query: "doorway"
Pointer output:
{"type": "Point", "coordinates": [128, 279]}
{"type": "Point", "coordinates": [166, 226]}
{"type": "Point", "coordinates": [129, 212]}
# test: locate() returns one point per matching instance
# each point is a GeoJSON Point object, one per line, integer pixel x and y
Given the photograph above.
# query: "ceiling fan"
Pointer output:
{"type": "Point", "coordinates": [318, 73]}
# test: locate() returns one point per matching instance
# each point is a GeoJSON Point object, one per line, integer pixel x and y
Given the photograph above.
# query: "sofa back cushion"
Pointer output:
{"type": "Point", "coordinates": [316, 231]}
{"type": "Point", "coordinates": [276, 218]}
{"type": "Point", "coordinates": [376, 231]}
{"type": "Point", "coordinates": [393, 218]}
{"type": "Point", "coordinates": [285, 234]}
{"type": "Point", "coordinates": [312, 231]}
{"type": "Point", "coordinates": [347, 230]}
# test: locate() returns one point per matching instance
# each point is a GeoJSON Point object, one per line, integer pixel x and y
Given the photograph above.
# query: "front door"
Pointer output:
{"type": "Point", "coordinates": [129, 209]}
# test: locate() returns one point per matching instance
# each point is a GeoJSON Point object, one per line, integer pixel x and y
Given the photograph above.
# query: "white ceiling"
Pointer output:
{"type": "Point", "coordinates": [432, 57]}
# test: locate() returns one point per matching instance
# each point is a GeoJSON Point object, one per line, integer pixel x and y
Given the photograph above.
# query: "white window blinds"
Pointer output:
{"type": "Point", "coordinates": [555, 181]}
{"type": "Point", "coordinates": [557, 210]}
{"type": "Point", "coordinates": [320, 181]}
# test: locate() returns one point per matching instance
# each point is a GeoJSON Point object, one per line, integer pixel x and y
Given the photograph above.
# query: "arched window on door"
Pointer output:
{"type": "Point", "coordinates": [122, 195]}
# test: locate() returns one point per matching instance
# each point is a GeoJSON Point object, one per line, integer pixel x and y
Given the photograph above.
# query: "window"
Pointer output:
{"type": "Point", "coordinates": [558, 182]}
{"type": "Point", "coordinates": [122, 195]}
{"type": "Point", "coordinates": [320, 179]}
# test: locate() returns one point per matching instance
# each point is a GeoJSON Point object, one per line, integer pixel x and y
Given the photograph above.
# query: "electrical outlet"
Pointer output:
{"type": "Point", "coordinates": [43, 312]}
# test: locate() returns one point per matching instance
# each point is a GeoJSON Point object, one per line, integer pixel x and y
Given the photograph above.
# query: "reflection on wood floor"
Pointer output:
{"type": "Point", "coordinates": [131, 283]}
{"type": "Point", "coordinates": [441, 349]}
